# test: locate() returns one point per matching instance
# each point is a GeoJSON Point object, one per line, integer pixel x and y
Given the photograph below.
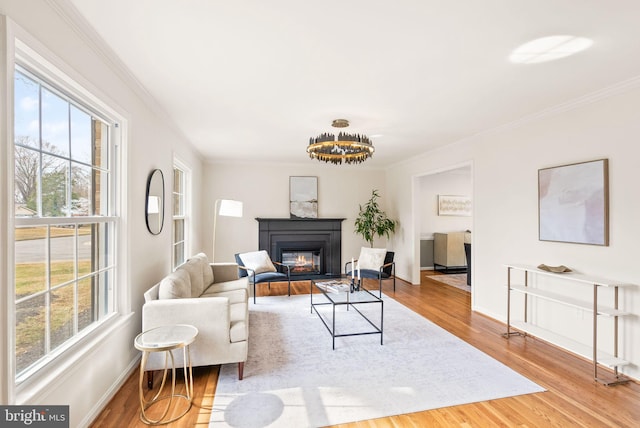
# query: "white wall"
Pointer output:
{"type": "Point", "coordinates": [264, 191]}
{"type": "Point", "coordinates": [505, 221]}
{"type": "Point", "coordinates": [451, 182]}
{"type": "Point", "coordinates": [152, 143]}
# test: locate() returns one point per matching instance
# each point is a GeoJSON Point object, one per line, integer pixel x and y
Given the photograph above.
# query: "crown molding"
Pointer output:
{"type": "Point", "coordinates": [68, 12]}
{"type": "Point", "coordinates": [576, 103]}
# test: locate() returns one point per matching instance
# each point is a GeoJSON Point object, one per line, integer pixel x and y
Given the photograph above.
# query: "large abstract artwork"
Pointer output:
{"type": "Point", "coordinates": [303, 197]}
{"type": "Point", "coordinates": [573, 203]}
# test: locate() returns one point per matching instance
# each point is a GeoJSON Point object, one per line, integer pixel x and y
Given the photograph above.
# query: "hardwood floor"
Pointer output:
{"type": "Point", "coordinates": [572, 397]}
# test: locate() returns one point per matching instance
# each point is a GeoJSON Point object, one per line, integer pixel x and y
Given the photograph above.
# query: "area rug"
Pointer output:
{"type": "Point", "coordinates": [293, 378]}
{"type": "Point", "coordinates": [458, 280]}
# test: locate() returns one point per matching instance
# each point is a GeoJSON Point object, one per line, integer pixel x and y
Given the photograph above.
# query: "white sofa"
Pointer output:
{"type": "Point", "coordinates": [209, 296]}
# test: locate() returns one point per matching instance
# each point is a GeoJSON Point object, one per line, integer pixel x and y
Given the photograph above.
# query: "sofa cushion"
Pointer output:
{"type": "Point", "coordinates": [194, 267]}
{"type": "Point", "coordinates": [259, 261]}
{"type": "Point", "coordinates": [176, 285]}
{"type": "Point", "coordinates": [371, 258]}
{"type": "Point", "coordinates": [207, 272]}
{"type": "Point", "coordinates": [234, 295]}
{"type": "Point", "coordinates": [219, 287]}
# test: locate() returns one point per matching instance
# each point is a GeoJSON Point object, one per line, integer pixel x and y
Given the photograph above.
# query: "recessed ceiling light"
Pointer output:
{"type": "Point", "coordinates": [549, 49]}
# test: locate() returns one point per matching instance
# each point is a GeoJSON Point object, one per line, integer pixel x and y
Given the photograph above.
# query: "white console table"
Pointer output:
{"type": "Point", "coordinates": [591, 352]}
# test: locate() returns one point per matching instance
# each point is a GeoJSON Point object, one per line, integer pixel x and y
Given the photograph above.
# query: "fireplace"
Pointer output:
{"type": "Point", "coordinates": [302, 262]}
{"type": "Point", "coordinates": [310, 247]}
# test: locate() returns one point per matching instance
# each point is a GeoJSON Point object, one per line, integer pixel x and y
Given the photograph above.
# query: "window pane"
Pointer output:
{"type": "Point", "coordinates": [27, 168]}
{"type": "Point", "coordinates": [30, 260]}
{"type": "Point", "coordinates": [177, 180]}
{"type": "Point", "coordinates": [27, 111]}
{"type": "Point", "coordinates": [54, 186]}
{"type": "Point", "coordinates": [100, 146]}
{"type": "Point", "coordinates": [85, 252]}
{"type": "Point", "coordinates": [30, 331]}
{"type": "Point", "coordinates": [92, 248]}
{"type": "Point", "coordinates": [63, 247]}
{"type": "Point", "coordinates": [55, 124]}
{"type": "Point", "coordinates": [62, 314]}
{"type": "Point", "coordinates": [177, 205]}
{"type": "Point", "coordinates": [80, 190]}
{"type": "Point", "coordinates": [86, 293]}
{"type": "Point", "coordinates": [178, 192]}
{"type": "Point", "coordinates": [178, 254]}
{"type": "Point", "coordinates": [81, 144]}
{"type": "Point", "coordinates": [100, 196]}
{"type": "Point", "coordinates": [103, 302]}
{"type": "Point", "coordinates": [178, 230]}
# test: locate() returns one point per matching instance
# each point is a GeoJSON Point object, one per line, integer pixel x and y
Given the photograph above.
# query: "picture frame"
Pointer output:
{"type": "Point", "coordinates": [303, 197]}
{"type": "Point", "coordinates": [573, 203]}
{"type": "Point", "coordinates": [454, 205]}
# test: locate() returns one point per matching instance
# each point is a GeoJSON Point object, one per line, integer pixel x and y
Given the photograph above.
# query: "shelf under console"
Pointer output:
{"type": "Point", "coordinates": [599, 358]}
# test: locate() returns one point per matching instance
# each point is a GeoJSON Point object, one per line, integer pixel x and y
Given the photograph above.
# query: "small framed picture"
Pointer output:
{"type": "Point", "coordinates": [454, 205]}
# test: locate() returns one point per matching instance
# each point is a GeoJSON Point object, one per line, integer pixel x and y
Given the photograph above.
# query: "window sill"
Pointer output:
{"type": "Point", "coordinates": [54, 371]}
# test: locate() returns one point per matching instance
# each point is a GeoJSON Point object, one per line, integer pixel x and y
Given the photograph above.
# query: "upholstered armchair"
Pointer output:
{"type": "Point", "coordinates": [259, 267]}
{"type": "Point", "coordinates": [374, 263]}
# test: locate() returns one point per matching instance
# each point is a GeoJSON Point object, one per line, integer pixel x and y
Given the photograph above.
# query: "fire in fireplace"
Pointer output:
{"type": "Point", "coordinates": [302, 262]}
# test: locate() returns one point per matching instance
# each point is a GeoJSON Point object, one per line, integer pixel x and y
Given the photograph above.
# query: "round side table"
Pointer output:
{"type": "Point", "coordinates": [166, 338]}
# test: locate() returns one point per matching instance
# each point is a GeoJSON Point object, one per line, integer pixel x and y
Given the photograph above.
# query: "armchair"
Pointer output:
{"type": "Point", "coordinates": [374, 263]}
{"type": "Point", "coordinates": [259, 267]}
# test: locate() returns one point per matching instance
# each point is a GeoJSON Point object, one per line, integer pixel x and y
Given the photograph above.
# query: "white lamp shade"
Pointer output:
{"type": "Point", "coordinates": [230, 208]}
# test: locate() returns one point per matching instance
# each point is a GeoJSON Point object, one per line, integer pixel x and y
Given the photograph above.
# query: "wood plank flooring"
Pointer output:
{"type": "Point", "coordinates": [572, 397]}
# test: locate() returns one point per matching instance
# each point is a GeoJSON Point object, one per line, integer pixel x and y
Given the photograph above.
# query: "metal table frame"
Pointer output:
{"type": "Point", "coordinates": [350, 300]}
{"type": "Point", "coordinates": [179, 337]}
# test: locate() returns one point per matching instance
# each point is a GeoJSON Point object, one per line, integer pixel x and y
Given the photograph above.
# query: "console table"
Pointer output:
{"type": "Point", "coordinates": [587, 303]}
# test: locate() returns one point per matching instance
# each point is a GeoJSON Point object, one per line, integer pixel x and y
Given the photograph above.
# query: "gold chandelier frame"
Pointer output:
{"type": "Point", "coordinates": [347, 148]}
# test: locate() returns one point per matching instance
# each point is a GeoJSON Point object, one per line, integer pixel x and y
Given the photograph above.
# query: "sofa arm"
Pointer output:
{"type": "Point", "coordinates": [223, 272]}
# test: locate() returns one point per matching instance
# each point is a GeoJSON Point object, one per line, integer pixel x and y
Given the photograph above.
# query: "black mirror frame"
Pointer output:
{"type": "Point", "coordinates": [155, 173]}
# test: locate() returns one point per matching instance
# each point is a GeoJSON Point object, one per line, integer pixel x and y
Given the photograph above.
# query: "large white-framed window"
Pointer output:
{"type": "Point", "coordinates": [67, 182]}
{"type": "Point", "coordinates": [181, 218]}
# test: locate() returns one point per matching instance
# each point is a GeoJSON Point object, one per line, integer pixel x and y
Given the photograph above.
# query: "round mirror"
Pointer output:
{"type": "Point", "coordinates": [154, 205]}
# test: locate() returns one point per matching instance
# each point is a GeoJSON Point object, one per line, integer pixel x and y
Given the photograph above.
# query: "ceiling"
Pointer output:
{"type": "Point", "coordinates": [253, 80]}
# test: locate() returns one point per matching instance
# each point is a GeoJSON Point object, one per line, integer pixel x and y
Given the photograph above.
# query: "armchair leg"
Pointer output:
{"type": "Point", "coordinates": [254, 291]}
{"type": "Point", "coordinates": [240, 370]}
{"type": "Point", "coordinates": [289, 281]}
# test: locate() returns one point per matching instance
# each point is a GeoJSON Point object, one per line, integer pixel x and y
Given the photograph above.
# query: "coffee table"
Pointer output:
{"type": "Point", "coordinates": [338, 292]}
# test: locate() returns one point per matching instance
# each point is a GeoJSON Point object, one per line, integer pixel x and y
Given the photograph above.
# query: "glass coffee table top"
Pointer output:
{"type": "Point", "coordinates": [338, 291]}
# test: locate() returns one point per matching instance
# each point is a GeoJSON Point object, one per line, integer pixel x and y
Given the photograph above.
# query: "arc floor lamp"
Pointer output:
{"type": "Point", "coordinates": [224, 208]}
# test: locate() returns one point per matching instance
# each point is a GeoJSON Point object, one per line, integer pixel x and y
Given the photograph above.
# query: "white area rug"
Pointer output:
{"type": "Point", "coordinates": [294, 379]}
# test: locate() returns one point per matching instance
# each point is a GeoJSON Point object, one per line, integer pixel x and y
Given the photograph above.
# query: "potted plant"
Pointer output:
{"type": "Point", "coordinates": [373, 221]}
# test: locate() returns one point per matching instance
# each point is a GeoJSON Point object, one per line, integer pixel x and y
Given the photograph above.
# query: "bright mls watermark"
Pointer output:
{"type": "Point", "coordinates": [34, 416]}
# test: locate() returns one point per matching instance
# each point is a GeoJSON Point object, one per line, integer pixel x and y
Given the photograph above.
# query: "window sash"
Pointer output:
{"type": "Point", "coordinates": [63, 299]}
{"type": "Point", "coordinates": [180, 220]}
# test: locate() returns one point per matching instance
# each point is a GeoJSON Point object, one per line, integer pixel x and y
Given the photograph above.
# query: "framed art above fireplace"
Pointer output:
{"type": "Point", "coordinates": [303, 197]}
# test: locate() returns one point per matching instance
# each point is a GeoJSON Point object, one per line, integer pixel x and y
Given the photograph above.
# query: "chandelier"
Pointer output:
{"type": "Point", "coordinates": [347, 148]}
